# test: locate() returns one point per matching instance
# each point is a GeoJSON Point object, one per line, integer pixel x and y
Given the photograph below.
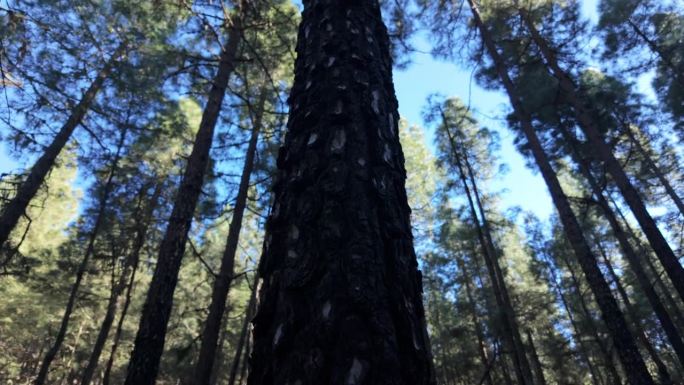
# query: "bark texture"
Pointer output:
{"type": "Point", "coordinates": [149, 341]}
{"type": "Point", "coordinates": [631, 359]}
{"type": "Point", "coordinates": [210, 335]}
{"type": "Point", "coordinates": [341, 296]}
{"type": "Point", "coordinates": [13, 211]}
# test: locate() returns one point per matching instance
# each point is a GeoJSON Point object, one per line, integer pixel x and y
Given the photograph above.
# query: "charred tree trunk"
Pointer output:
{"type": "Point", "coordinates": [83, 266]}
{"type": "Point", "coordinates": [508, 321]}
{"type": "Point", "coordinates": [341, 295]}
{"type": "Point", "coordinates": [663, 373]}
{"type": "Point", "coordinates": [235, 366]}
{"type": "Point", "coordinates": [604, 153]}
{"type": "Point", "coordinates": [16, 207]}
{"type": "Point", "coordinates": [222, 282]}
{"type": "Point", "coordinates": [149, 341]}
{"type": "Point", "coordinates": [113, 303]}
{"type": "Point", "coordinates": [612, 315]}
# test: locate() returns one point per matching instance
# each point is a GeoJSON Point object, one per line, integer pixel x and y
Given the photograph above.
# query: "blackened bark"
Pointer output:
{"type": "Point", "coordinates": [149, 341]}
{"type": "Point", "coordinates": [237, 359]}
{"type": "Point", "coordinates": [590, 128]}
{"type": "Point", "coordinates": [16, 207]}
{"type": "Point", "coordinates": [507, 315]}
{"type": "Point", "coordinates": [130, 264]}
{"type": "Point", "coordinates": [210, 335]}
{"type": "Point", "coordinates": [83, 266]}
{"type": "Point", "coordinates": [538, 368]}
{"type": "Point", "coordinates": [673, 335]}
{"type": "Point", "coordinates": [341, 295]}
{"type": "Point", "coordinates": [663, 373]}
{"type": "Point", "coordinates": [633, 363]}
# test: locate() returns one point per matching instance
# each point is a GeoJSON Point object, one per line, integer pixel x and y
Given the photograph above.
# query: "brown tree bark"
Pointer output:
{"type": "Point", "coordinates": [149, 341]}
{"type": "Point", "coordinates": [210, 335]}
{"type": "Point", "coordinates": [16, 207]}
{"type": "Point", "coordinates": [83, 266]}
{"type": "Point", "coordinates": [341, 295]}
{"type": "Point", "coordinates": [603, 152]}
{"type": "Point", "coordinates": [633, 363]}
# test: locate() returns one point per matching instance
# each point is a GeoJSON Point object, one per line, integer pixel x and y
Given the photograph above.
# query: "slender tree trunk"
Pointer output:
{"type": "Point", "coordinates": [119, 286]}
{"type": "Point", "coordinates": [249, 311]}
{"type": "Point", "coordinates": [245, 359]}
{"type": "Point", "coordinates": [655, 169]}
{"type": "Point", "coordinates": [225, 277]}
{"type": "Point", "coordinates": [149, 341]}
{"type": "Point", "coordinates": [604, 153]}
{"type": "Point", "coordinates": [341, 295]}
{"type": "Point", "coordinates": [16, 207]}
{"type": "Point", "coordinates": [663, 373]}
{"type": "Point", "coordinates": [593, 327]}
{"type": "Point", "coordinates": [510, 332]}
{"type": "Point", "coordinates": [655, 49]}
{"type": "Point", "coordinates": [538, 368]}
{"type": "Point", "coordinates": [476, 323]}
{"type": "Point", "coordinates": [634, 365]}
{"type": "Point", "coordinates": [628, 251]}
{"type": "Point", "coordinates": [83, 266]}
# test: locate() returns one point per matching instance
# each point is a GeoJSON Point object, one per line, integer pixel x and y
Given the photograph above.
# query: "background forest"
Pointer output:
{"type": "Point", "coordinates": [134, 131]}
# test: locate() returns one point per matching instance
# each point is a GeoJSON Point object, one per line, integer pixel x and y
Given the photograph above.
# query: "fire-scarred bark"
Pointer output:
{"type": "Point", "coordinates": [341, 295]}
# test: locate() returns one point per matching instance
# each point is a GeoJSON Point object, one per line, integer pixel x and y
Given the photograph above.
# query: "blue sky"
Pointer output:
{"type": "Point", "coordinates": [520, 186]}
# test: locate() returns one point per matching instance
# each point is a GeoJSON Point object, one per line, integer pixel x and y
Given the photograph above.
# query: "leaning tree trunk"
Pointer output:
{"type": "Point", "coordinates": [538, 368]}
{"type": "Point", "coordinates": [664, 375]}
{"type": "Point", "coordinates": [511, 334]}
{"type": "Point", "coordinates": [83, 266]}
{"type": "Point", "coordinates": [129, 265]}
{"type": "Point", "coordinates": [633, 363]}
{"type": "Point", "coordinates": [668, 325]}
{"type": "Point", "coordinates": [149, 342]}
{"type": "Point", "coordinates": [16, 207]}
{"type": "Point", "coordinates": [591, 129]}
{"type": "Point", "coordinates": [210, 335]}
{"type": "Point", "coordinates": [341, 294]}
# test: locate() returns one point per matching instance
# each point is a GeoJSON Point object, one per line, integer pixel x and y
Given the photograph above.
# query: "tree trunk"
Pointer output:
{"type": "Point", "coordinates": [510, 332]}
{"type": "Point", "coordinates": [613, 166]}
{"type": "Point", "coordinates": [628, 251]}
{"type": "Point", "coordinates": [655, 49]}
{"type": "Point", "coordinates": [225, 277]}
{"type": "Point", "coordinates": [16, 207]}
{"type": "Point", "coordinates": [341, 295]}
{"type": "Point", "coordinates": [663, 374]}
{"type": "Point", "coordinates": [655, 169]}
{"type": "Point", "coordinates": [243, 335]}
{"type": "Point", "coordinates": [83, 266]}
{"type": "Point", "coordinates": [612, 315]}
{"type": "Point", "coordinates": [245, 359]}
{"type": "Point", "coordinates": [113, 302]}
{"type": "Point", "coordinates": [538, 368]}
{"type": "Point", "coordinates": [476, 323]}
{"type": "Point", "coordinates": [603, 347]}
{"type": "Point", "coordinates": [149, 341]}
